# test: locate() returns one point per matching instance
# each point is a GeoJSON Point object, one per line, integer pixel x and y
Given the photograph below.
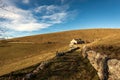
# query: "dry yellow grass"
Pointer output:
{"type": "Point", "coordinates": [31, 55]}
{"type": "Point", "coordinates": [109, 45]}
{"type": "Point", "coordinates": [18, 54]}
{"type": "Point", "coordinates": [65, 37]}
{"type": "Point", "coordinates": [71, 66]}
{"type": "Point", "coordinates": [25, 63]}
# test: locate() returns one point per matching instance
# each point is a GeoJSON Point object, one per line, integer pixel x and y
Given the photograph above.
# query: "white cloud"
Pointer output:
{"type": "Point", "coordinates": [9, 15]}
{"type": "Point", "coordinates": [55, 18]}
{"type": "Point", "coordinates": [53, 14]}
{"type": "Point", "coordinates": [18, 19]}
{"type": "Point", "coordinates": [25, 1]}
{"type": "Point", "coordinates": [30, 26]}
{"type": "Point", "coordinates": [47, 9]}
{"type": "Point", "coordinates": [51, 9]}
{"type": "Point", "coordinates": [21, 20]}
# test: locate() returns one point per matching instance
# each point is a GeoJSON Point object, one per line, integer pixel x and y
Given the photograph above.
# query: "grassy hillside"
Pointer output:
{"type": "Point", "coordinates": [71, 66]}
{"type": "Point", "coordinates": [26, 51]}
{"type": "Point", "coordinates": [65, 37]}
{"type": "Point", "coordinates": [109, 45]}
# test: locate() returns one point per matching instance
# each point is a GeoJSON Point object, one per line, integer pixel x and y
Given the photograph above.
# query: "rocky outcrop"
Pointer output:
{"type": "Point", "coordinates": [114, 69]}
{"type": "Point", "coordinates": [107, 69]}
{"type": "Point", "coordinates": [98, 61]}
{"type": "Point", "coordinates": [32, 74]}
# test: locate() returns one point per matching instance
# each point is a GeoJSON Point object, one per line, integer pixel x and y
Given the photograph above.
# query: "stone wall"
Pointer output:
{"type": "Point", "coordinates": [107, 69]}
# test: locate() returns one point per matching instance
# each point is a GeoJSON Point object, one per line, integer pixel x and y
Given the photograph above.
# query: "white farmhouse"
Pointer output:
{"type": "Point", "coordinates": [76, 41]}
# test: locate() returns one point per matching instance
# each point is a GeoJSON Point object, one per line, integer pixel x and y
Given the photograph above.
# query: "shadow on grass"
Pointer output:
{"type": "Point", "coordinates": [71, 66]}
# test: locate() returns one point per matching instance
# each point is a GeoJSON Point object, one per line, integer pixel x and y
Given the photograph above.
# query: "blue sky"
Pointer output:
{"type": "Point", "coordinates": [31, 17]}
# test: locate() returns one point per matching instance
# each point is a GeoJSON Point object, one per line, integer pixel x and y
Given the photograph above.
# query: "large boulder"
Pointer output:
{"type": "Point", "coordinates": [107, 68]}
{"type": "Point", "coordinates": [97, 60]}
{"type": "Point", "coordinates": [114, 69]}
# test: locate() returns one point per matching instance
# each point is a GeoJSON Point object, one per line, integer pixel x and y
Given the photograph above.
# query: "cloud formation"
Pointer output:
{"type": "Point", "coordinates": [43, 16]}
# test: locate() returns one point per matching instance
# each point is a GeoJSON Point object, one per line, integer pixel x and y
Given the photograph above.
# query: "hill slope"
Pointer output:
{"type": "Point", "coordinates": [71, 66]}
{"type": "Point", "coordinates": [27, 51]}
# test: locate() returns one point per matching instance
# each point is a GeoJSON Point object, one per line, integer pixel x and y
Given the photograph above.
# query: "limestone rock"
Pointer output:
{"type": "Point", "coordinates": [98, 61]}
{"type": "Point", "coordinates": [114, 69]}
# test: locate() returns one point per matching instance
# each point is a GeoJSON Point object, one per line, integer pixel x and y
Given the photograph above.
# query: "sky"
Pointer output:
{"type": "Point", "coordinates": [32, 17]}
